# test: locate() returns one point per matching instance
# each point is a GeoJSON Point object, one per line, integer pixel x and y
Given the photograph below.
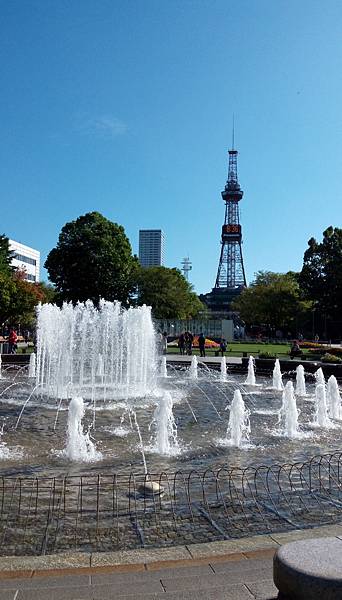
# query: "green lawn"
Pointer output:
{"type": "Point", "coordinates": [254, 349]}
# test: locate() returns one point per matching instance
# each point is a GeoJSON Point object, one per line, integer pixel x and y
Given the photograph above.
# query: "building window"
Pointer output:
{"type": "Point", "coordinates": [26, 259]}
{"type": "Point", "coordinates": [30, 277]}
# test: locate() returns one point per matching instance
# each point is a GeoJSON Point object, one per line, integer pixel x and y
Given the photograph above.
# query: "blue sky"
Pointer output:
{"type": "Point", "coordinates": [125, 107]}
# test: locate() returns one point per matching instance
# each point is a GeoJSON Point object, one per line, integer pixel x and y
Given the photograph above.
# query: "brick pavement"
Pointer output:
{"type": "Point", "coordinates": [226, 577]}
{"type": "Point", "coordinates": [228, 570]}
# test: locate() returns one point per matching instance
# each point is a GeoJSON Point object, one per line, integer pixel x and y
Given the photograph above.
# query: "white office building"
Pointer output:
{"type": "Point", "coordinates": [151, 247]}
{"type": "Point", "coordinates": [26, 258]}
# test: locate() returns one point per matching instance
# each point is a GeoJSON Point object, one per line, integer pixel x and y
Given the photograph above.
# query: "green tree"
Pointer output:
{"type": "Point", "coordinates": [92, 259]}
{"type": "Point", "coordinates": [5, 256]}
{"type": "Point", "coordinates": [168, 292]}
{"type": "Point", "coordinates": [7, 285]}
{"type": "Point", "coordinates": [321, 275]}
{"type": "Point", "coordinates": [7, 295]}
{"type": "Point", "coordinates": [273, 299]}
{"type": "Point", "coordinates": [24, 300]}
{"type": "Point", "coordinates": [48, 291]}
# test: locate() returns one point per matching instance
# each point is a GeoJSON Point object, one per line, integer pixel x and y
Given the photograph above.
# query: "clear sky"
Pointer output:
{"type": "Point", "coordinates": [125, 107]}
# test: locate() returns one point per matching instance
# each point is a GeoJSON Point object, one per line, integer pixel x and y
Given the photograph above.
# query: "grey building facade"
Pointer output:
{"type": "Point", "coordinates": [151, 247]}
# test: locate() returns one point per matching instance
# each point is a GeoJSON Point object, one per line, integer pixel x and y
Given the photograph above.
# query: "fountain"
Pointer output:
{"type": "Point", "coordinates": [251, 373]}
{"type": "Point", "coordinates": [333, 398]}
{"type": "Point", "coordinates": [163, 367]}
{"type": "Point", "coordinates": [100, 366]}
{"type": "Point", "coordinates": [166, 431]}
{"type": "Point", "coordinates": [277, 377]}
{"type": "Point", "coordinates": [321, 414]}
{"type": "Point", "coordinates": [300, 381]}
{"type": "Point", "coordinates": [79, 445]}
{"type": "Point", "coordinates": [223, 376]}
{"type": "Point", "coordinates": [238, 426]}
{"type": "Point", "coordinates": [84, 350]}
{"type": "Point", "coordinates": [0, 366]}
{"type": "Point", "coordinates": [193, 368]}
{"type": "Point", "coordinates": [32, 365]}
{"type": "Point", "coordinates": [319, 376]}
{"type": "Point", "coordinates": [288, 414]}
{"type": "Point", "coordinates": [107, 357]}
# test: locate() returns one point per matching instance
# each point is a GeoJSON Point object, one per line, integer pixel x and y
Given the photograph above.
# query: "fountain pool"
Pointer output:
{"type": "Point", "coordinates": [98, 420]}
{"type": "Point", "coordinates": [198, 409]}
{"type": "Point", "coordinates": [133, 411]}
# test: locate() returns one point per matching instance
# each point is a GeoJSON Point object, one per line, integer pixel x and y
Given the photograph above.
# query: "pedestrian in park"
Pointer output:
{"type": "Point", "coordinates": [181, 343]}
{"type": "Point", "coordinates": [12, 341]}
{"type": "Point", "coordinates": [201, 343]}
{"type": "Point", "coordinates": [295, 350]}
{"type": "Point", "coordinates": [223, 346]}
{"type": "Point", "coordinates": [188, 342]}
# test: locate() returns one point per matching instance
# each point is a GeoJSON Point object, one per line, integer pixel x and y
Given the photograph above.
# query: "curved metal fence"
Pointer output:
{"type": "Point", "coordinates": [104, 512]}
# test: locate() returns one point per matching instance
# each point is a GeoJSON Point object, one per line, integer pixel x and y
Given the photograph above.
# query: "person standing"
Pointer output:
{"type": "Point", "coordinates": [201, 344]}
{"type": "Point", "coordinates": [188, 342]}
{"type": "Point", "coordinates": [223, 346]}
{"type": "Point", "coordinates": [12, 341]}
{"type": "Point", "coordinates": [181, 343]}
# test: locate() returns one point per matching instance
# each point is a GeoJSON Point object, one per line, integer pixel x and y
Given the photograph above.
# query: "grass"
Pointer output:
{"type": "Point", "coordinates": [254, 349]}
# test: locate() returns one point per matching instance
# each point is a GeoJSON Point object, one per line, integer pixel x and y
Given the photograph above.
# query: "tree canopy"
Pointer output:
{"type": "Point", "coordinates": [168, 292]}
{"type": "Point", "coordinates": [92, 259]}
{"type": "Point", "coordinates": [5, 256]}
{"type": "Point", "coordinates": [18, 297]}
{"type": "Point", "coordinates": [273, 299]}
{"type": "Point", "coordinates": [321, 275]}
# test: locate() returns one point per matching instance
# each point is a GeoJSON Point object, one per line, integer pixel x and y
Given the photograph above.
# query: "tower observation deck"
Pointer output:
{"type": "Point", "coordinates": [231, 278]}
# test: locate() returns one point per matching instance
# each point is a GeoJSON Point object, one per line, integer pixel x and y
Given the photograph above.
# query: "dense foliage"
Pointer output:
{"type": "Point", "coordinates": [274, 300]}
{"type": "Point", "coordinates": [168, 292]}
{"type": "Point", "coordinates": [92, 259]}
{"type": "Point", "coordinates": [321, 276]}
{"type": "Point", "coordinates": [5, 256]}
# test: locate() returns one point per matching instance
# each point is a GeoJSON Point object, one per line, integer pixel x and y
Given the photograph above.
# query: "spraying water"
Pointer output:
{"type": "Point", "coordinates": [163, 367]}
{"type": "Point", "coordinates": [288, 414]}
{"type": "Point", "coordinates": [223, 375]}
{"type": "Point", "coordinates": [79, 445]}
{"type": "Point", "coordinates": [0, 366]}
{"type": "Point", "coordinates": [238, 426]}
{"type": "Point", "coordinates": [100, 366]}
{"type": "Point", "coordinates": [277, 377]}
{"type": "Point", "coordinates": [32, 365]}
{"type": "Point", "coordinates": [194, 368]}
{"type": "Point", "coordinates": [319, 376]}
{"type": "Point", "coordinates": [78, 345]}
{"type": "Point", "coordinates": [166, 429]}
{"type": "Point", "coordinates": [251, 372]}
{"type": "Point", "coordinates": [300, 381]}
{"type": "Point", "coordinates": [333, 398]}
{"type": "Point", "coordinates": [321, 414]}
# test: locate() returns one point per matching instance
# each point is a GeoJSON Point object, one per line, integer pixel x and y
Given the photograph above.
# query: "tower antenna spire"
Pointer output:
{"type": "Point", "coordinates": [233, 132]}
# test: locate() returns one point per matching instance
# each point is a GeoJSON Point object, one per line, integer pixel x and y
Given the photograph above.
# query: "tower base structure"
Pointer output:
{"type": "Point", "coordinates": [219, 301]}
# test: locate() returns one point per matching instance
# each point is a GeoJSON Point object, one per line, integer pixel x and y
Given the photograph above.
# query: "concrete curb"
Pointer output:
{"type": "Point", "coordinates": [258, 546]}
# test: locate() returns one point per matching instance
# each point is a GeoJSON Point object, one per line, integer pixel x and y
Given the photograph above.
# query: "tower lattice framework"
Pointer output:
{"type": "Point", "coordinates": [231, 272]}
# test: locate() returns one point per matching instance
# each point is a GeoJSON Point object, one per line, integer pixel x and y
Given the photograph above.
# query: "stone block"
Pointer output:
{"type": "Point", "coordinates": [310, 569]}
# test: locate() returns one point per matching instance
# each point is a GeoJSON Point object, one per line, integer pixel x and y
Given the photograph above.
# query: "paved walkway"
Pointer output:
{"type": "Point", "coordinates": [179, 358]}
{"type": "Point", "coordinates": [227, 570]}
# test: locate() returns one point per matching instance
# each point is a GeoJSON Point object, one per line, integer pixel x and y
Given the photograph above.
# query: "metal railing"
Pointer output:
{"type": "Point", "coordinates": [104, 512]}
